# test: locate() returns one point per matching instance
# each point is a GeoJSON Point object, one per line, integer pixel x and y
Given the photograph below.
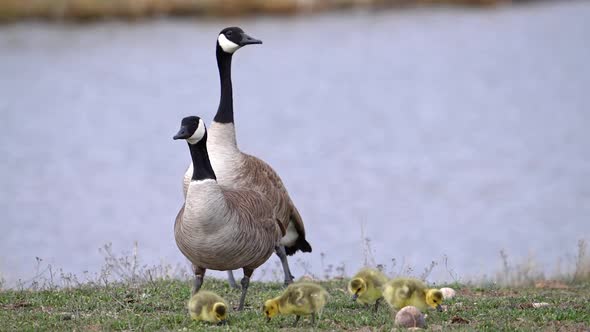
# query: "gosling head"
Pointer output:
{"type": "Point", "coordinates": [434, 298]}
{"type": "Point", "coordinates": [232, 38]}
{"type": "Point", "coordinates": [357, 287]}
{"type": "Point", "coordinates": [220, 311]}
{"type": "Point", "coordinates": [271, 309]}
{"type": "Point", "coordinates": [192, 129]}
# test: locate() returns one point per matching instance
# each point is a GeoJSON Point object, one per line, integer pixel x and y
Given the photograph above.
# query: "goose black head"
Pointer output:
{"type": "Point", "coordinates": [192, 129]}
{"type": "Point", "coordinates": [232, 38]}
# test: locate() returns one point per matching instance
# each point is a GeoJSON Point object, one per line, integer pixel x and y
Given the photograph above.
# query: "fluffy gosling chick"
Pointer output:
{"type": "Point", "coordinates": [303, 298]}
{"type": "Point", "coordinates": [366, 285]}
{"type": "Point", "coordinates": [208, 306]}
{"type": "Point", "coordinates": [401, 292]}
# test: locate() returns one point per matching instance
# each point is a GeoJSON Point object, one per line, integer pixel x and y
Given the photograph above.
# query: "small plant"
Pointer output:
{"type": "Point", "coordinates": [582, 272]}
{"type": "Point", "coordinates": [450, 271]}
{"type": "Point", "coordinates": [341, 271]}
{"type": "Point", "coordinates": [428, 270]}
{"type": "Point", "coordinates": [306, 267]}
{"type": "Point", "coordinates": [522, 274]}
{"type": "Point", "coordinates": [368, 254]}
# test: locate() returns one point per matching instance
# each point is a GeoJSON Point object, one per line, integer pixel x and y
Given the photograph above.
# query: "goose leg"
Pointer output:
{"type": "Point", "coordinates": [199, 275]}
{"type": "Point", "coordinates": [296, 320]}
{"type": "Point", "coordinates": [231, 279]}
{"type": "Point", "coordinates": [245, 282]}
{"type": "Point", "coordinates": [280, 251]}
{"type": "Point", "coordinates": [313, 318]}
{"type": "Point", "coordinates": [377, 304]}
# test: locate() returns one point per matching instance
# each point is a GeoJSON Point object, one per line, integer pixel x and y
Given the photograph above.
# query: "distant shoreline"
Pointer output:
{"type": "Point", "coordinates": [84, 10]}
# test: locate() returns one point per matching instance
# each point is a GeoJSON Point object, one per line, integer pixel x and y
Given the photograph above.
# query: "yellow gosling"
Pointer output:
{"type": "Point", "coordinates": [366, 286]}
{"type": "Point", "coordinates": [401, 292]}
{"type": "Point", "coordinates": [303, 298]}
{"type": "Point", "coordinates": [208, 306]}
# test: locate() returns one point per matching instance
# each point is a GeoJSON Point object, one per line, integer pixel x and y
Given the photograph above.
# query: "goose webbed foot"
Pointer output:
{"type": "Point", "coordinates": [376, 308]}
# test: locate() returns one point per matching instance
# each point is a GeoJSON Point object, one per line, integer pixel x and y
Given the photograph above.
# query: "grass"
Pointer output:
{"type": "Point", "coordinates": [128, 296]}
{"type": "Point", "coordinates": [161, 305]}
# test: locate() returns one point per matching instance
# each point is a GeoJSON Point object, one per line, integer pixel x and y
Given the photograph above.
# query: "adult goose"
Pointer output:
{"type": "Point", "coordinates": [222, 228]}
{"type": "Point", "coordinates": [239, 170]}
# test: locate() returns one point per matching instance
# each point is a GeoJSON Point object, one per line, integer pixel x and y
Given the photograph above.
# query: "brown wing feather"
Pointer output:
{"type": "Point", "coordinates": [260, 176]}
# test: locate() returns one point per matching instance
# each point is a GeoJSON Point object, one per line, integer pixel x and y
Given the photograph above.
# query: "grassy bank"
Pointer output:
{"type": "Point", "coordinates": [160, 305]}
{"type": "Point", "coordinates": [130, 9]}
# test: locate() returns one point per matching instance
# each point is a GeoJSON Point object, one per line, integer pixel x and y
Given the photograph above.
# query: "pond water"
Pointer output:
{"type": "Point", "coordinates": [431, 132]}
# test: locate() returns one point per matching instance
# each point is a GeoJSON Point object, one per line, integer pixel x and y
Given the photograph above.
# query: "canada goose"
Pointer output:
{"type": "Point", "coordinates": [222, 228]}
{"type": "Point", "coordinates": [401, 292]}
{"type": "Point", "coordinates": [208, 306]}
{"type": "Point", "coordinates": [239, 170]}
{"type": "Point", "coordinates": [365, 286]}
{"type": "Point", "coordinates": [301, 298]}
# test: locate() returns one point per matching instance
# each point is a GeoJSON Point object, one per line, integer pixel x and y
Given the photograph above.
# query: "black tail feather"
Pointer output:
{"type": "Point", "coordinates": [300, 244]}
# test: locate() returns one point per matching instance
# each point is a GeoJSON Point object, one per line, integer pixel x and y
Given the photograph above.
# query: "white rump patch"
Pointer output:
{"type": "Point", "coordinates": [198, 134]}
{"type": "Point", "coordinates": [227, 45]}
{"type": "Point", "coordinates": [291, 236]}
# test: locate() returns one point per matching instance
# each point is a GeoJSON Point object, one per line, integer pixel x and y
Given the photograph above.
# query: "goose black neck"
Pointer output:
{"type": "Point", "coordinates": [225, 111]}
{"type": "Point", "coordinates": [202, 169]}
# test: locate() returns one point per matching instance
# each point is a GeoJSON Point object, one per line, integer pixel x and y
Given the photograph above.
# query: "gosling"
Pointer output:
{"type": "Point", "coordinates": [209, 307]}
{"type": "Point", "coordinates": [366, 287]}
{"type": "Point", "coordinates": [302, 298]}
{"type": "Point", "coordinates": [401, 292]}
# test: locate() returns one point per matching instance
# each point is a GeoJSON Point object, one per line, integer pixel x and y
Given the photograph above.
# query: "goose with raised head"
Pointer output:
{"type": "Point", "coordinates": [222, 228]}
{"type": "Point", "coordinates": [239, 170]}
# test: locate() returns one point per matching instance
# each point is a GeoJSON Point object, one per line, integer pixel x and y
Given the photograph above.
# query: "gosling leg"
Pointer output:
{"type": "Point", "coordinates": [313, 318]}
{"type": "Point", "coordinates": [245, 282]}
{"type": "Point", "coordinates": [377, 304]}
{"type": "Point", "coordinates": [296, 320]}
{"type": "Point", "coordinates": [231, 280]}
{"type": "Point", "coordinates": [280, 251]}
{"type": "Point", "coordinates": [199, 276]}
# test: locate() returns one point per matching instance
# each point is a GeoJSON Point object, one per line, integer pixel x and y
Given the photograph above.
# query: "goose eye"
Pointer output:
{"type": "Point", "coordinates": [228, 33]}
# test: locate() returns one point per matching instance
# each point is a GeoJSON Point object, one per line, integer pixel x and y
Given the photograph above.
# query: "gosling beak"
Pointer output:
{"type": "Point", "coordinates": [222, 322]}
{"type": "Point", "coordinates": [247, 40]}
{"type": "Point", "coordinates": [354, 297]}
{"type": "Point", "coordinates": [439, 308]}
{"type": "Point", "coordinates": [183, 133]}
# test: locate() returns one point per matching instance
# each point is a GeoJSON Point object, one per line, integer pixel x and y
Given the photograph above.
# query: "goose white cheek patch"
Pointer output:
{"type": "Point", "coordinates": [198, 134]}
{"type": "Point", "coordinates": [227, 45]}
